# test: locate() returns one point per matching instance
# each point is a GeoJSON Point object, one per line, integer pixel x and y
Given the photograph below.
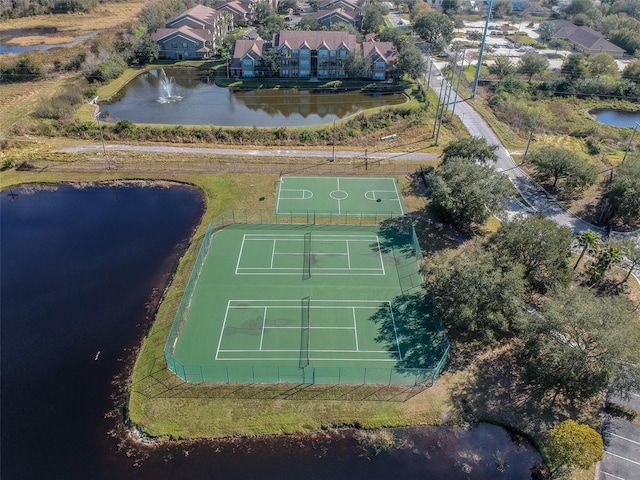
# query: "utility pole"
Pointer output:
{"type": "Point", "coordinates": [531, 132]}
{"type": "Point", "coordinates": [484, 41]}
{"type": "Point", "coordinates": [104, 148]}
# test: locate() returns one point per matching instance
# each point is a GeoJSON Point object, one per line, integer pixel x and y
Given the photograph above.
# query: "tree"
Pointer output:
{"type": "Point", "coordinates": [574, 67]}
{"type": "Point", "coordinates": [475, 36]}
{"type": "Point", "coordinates": [262, 10]}
{"type": "Point", "coordinates": [309, 22]}
{"type": "Point", "coordinates": [472, 295]}
{"type": "Point", "coordinates": [623, 196]}
{"type": "Point", "coordinates": [271, 24]}
{"type": "Point", "coordinates": [546, 30]}
{"type": "Point", "coordinates": [146, 50]}
{"type": "Point", "coordinates": [420, 8]}
{"type": "Point", "coordinates": [572, 444]}
{"type": "Point", "coordinates": [502, 67]}
{"type": "Point", "coordinates": [464, 193]}
{"type": "Point", "coordinates": [372, 18]}
{"type": "Point", "coordinates": [632, 71]}
{"type": "Point", "coordinates": [556, 163]}
{"type": "Point", "coordinates": [558, 44]}
{"type": "Point", "coordinates": [450, 7]}
{"type": "Point", "coordinates": [606, 257]}
{"type": "Point", "coordinates": [393, 35]}
{"type": "Point", "coordinates": [627, 39]}
{"type": "Point", "coordinates": [434, 28]}
{"type": "Point", "coordinates": [540, 245]}
{"type": "Point", "coordinates": [589, 241]}
{"type": "Point", "coordinates": [502, 8]}
{"type": "Point", "coordinates": [287, 6]}
{"type": "Point", "coordinates": [475, 149]}
{"type": "Point", "coordinates": [532, 64]}
{"type": "Point", "coordinates": [410, 62]}
{"type": "Point", "coordinates": [355, 65]}
{"type": "Point", "coordinates": [270, 61]}
{"type": "Point", "coordinates": [577, 6]}
{"type": "Point", "coordinates": [602, 64]}
{"type": "Point", "coordinates": [630, 248]}
{"type": "Point", "coordinates": [581, 344]}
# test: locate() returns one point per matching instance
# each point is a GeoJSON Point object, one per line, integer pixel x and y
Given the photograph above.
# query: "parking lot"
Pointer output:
{"type": "Point", "coordinates": [621, 459]}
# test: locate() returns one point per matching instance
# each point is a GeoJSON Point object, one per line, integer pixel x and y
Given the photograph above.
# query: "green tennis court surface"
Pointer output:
{"type": "Point", "coordinates": [301, 303]}
{"type": "Point", "coordinates": [339, 196]}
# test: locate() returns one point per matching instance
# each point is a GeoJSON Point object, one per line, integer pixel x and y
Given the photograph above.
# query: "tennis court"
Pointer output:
{"type": "Point", "coordinates": [339, 196]}
{"type": "Point", "coordinates": [298, 303]}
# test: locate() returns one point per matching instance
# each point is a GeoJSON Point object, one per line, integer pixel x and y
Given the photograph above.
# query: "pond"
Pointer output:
{"type": "Point", "coordinates": [184, 96]}
{"type": "Point", "coordinates": [81, 271]}
{"type": "Point", "coordinates": [8, 36]}
{"type": "Point", "coordinates": [616, 118]}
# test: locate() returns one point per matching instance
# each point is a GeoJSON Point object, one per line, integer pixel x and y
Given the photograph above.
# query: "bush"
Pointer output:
{"type": "Point", "coordinates": [61, 106]}
{"type": "Point", "coordinates": [9, 162]}
{"type": "Point", "coordinates": [107, 70]}
{"type": "Point", "coordinates": [124, 126]}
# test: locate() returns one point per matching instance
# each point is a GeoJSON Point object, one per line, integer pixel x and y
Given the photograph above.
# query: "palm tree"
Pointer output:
{"type": "Point", "coordinates": [607, 257]}
{"type": "Point", "coordinates": [588, 239]}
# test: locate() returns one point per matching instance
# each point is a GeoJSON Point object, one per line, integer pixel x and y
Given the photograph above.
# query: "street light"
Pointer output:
{"type": "Point", "coordinates": [626, 150]}
{"type": "Point", "coordinates": [104, 148]}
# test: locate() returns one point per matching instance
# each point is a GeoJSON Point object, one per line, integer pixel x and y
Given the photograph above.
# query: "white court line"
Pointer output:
{"type": "Point", "coordinates": [367, 179]}
{"type": "Point", "coordinates": [395, 331]}
{"type": "Point", "coordinates": [224, 322]}
{"type": "Point", "coordinates": [337, 236]}
{"type": "Point", "coordinates": [338, 181]}
{"type": "Point", "coordinates": [348, 255]}
{"type": "Point", "coordinates": [355, 328]}
{"type": "Point", "coordinates": [380, 254]}
{"type": "Point", "coordinates": [612, 475]}
{"type": "Point", "coordinates": [297, 350]}
{"type": "Point", "coordinates": [240, 254]}
{"type": "Point", "coordinates": [294, 269]}
{"type": "Point", "coordinates": [621, 457]}
{"type": "Point", "coordinates": [264, 320]}
{"type": "Point", "coordinates": [245, 303]}
{"type": "Point", "coordinates": [273, 251]}
{"type": "Point", "coordinates": [624, 438]}
{"type": "Point", "coordinates": [337, 254]}
{"type": "Point", "coordinates": [310, 328]}
{"type": "Point", "coordinates": [374, 197]}
{"type": "Point", "coordinates": [261, 303]}
{"type": "Point", "coordinates": [395, 185]}
{"type": "Point", "coordinates": [295, 358]}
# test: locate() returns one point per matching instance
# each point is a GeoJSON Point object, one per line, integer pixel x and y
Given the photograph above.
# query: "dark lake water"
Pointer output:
{"type": "Point", "coordinates": [185, 97]}
{"type": "Point", "coordinates": [79, 267]}
{"type": "Point", "coordinates": [617, 118]}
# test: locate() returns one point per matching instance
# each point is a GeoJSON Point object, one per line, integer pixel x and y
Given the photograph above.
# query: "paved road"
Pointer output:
{"type": "Point", "coordinates": [232, 152]}
{"type": "Point", "coordinates": [538, 199]}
